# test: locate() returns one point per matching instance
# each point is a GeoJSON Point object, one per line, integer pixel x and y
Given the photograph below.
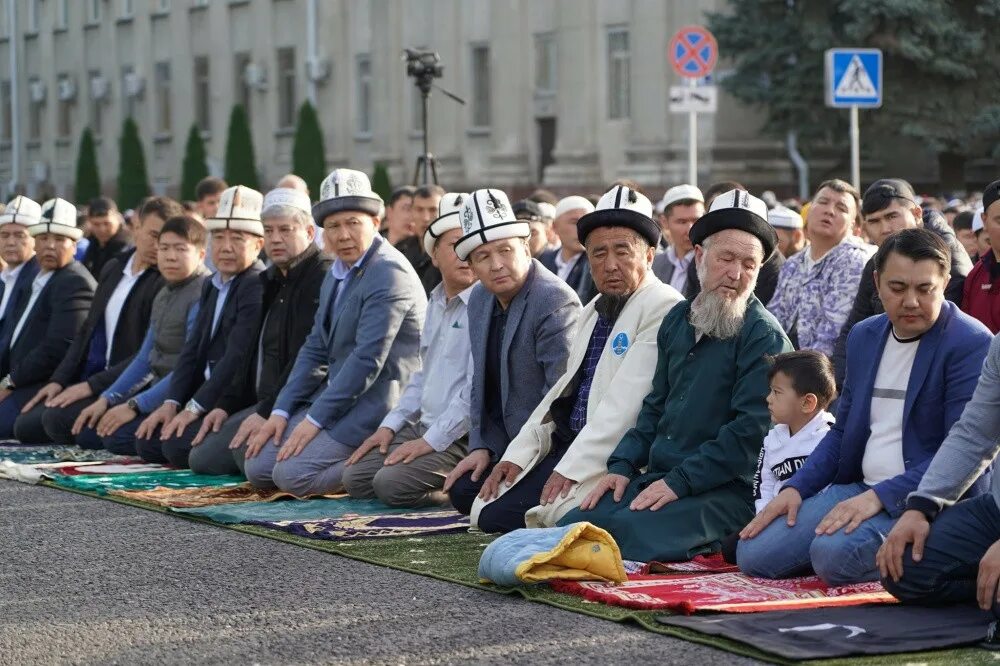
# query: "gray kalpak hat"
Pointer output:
{"type": "Point", "coordinates": [346, 189]}
{"type": "Point", "coordinates": [736, 209]}
{"type": "Point", "coordinates": [21, 210]}
{"type": "Point", "coordinates": [487, 216]}
{"type": "Point", "coordinates": [239, 210]}
{"type": "Point", "coordinates": [449, 210]}
{"type": "Point", "coordinates": [58, 217]}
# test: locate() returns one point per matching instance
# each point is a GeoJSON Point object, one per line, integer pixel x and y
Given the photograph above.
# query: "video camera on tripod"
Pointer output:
{"type": "Point", "coordinates": [424, 67]}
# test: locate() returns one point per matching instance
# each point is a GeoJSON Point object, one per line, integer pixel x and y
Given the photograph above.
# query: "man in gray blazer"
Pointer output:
{"type": "Point", "coordinates": [367, 335]}
{"type": "Point", "coordinates": [521, 319]}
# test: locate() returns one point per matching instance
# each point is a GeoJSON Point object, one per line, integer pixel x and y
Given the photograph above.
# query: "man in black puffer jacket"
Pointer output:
{"type": "Point", "coordinates": [890, 205]}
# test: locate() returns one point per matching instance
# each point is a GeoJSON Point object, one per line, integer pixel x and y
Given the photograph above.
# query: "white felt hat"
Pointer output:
{"type": "Point", "coordinates": [548, 210]}
{"type": "Point", "coordinates": [239, 210]}
{"type": "Point", "coordinates": [781, 217]}
{"type": "Point", "coordinates": [679, 193]}
{"type": "Point", "coordinates": [977, 220]}
{"type": "Point", "coordinates": [346, 189]}
{"type": "Point", "coordinates": [736, 209]}
{"type": "Point", "coordinates": [21, 210]}
{"type": "Point", "coordinates": [621, 207]}
{"type": "Point", "coordinates": [448, 218]}
{"type": "Point", "coordinates": [286, 196]}
{"type": "Point", "coordinates": [58, 216]}
{"type": "Point", "coordinates": [487, 216]}
{"type": "Point", "coordinates": [574, 202]}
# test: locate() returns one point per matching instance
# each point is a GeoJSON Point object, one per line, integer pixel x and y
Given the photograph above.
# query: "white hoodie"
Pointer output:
{"type": "Point", "coordinates": [783, 454]}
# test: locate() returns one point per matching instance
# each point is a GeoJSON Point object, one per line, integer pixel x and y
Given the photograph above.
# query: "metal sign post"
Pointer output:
{"type": "Point", "coordinates": [693, 52]}
{"type": "Point", "coordinates": [853, 81]}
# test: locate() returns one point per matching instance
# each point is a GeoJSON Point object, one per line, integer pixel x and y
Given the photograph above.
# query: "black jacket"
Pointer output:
{"type": "Point", "coordinates": [226, 350]}
{"type": "Point", "coordinates": [50, 329]}
{"type": "Point", "coordinates": [133, 323]}
{"type": "Point", "coordinates": [767, 279]}
{"type": "Point", "coordinates": [305, 280]}
{"type": "Point", "coordinates": [413, 249]}
{"type": "Point", "coordinates": [95, 257]}
{"type": "Point", "coordinates": [868, 304]}
{"type": "Point", "coordinates": [579, 279]}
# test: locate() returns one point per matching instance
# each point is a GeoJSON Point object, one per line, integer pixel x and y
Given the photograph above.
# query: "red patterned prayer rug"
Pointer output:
{"type": "Point", "coordinates": [724, 592]}
{"type": "Point", "coordinates": [713, 563]}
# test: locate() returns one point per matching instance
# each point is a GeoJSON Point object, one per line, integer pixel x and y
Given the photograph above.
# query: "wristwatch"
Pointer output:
{"type": "Point", "coordinates": [7, 384]}
{"type": "Point", "coordinates": [133, 404]}
{"type": "Point", "coordinates": [193, 407]}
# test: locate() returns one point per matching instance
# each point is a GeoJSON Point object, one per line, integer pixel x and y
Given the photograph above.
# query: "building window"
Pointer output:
{"type": "Point", "coordinates": [545, 62]}
{"type": "Point", "coordinates": [618, 73]}
{"type": "Point", "coordinates": [65, 126]}
{"type": "Point", "coordinates": [481, 86]}
{"type": "Point", "coordinates": [202, 94]}
{"type": "Point", "coordinates": [364, 96]}
{"type": "Point", "coordinates": [96, 81]}
{"type": "Point", "coordinates": [94, 11]}
{"type": "Point", "coordinates": [127, 8]}
{"type": "Point", "coordinates": [286, 87]}
{"type": "Point", "coordinates": [128, 99]}
{"type": "Point", "coordinates": [6, 129]}
{"type": "Point", "coordinates": [62, 14]}
{"type": "Point", "coordinates": [161, 76]}
{"type": "Point", "coordinates": [163, 6]}
{"type": "Point", "coordinates": [35, 114]}
{"type": "Point", "coordinates": [242, 92]}
{"type": "Point", "coordinates": [32, 16]}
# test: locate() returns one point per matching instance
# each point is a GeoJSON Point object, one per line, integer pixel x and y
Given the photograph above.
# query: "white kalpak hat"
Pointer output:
{"type": "Point", "coordinates": [679, 193]}
{"type": "Point", "coordinates": [977, 220]}
{"type": "Point", "coordinates": [781, 217]}
{"type": "Point", "coordinates": [58, 217]}
{"type": "Point", "coordinates": [286, 196]}
{"type": "Point", "coordinates": [239, 210]}
{"type": "Point", "coordinates": [736, 209]}
{"type": "Point", "coordinates": [487, 216]}
{"type": "Point", "coordinates": [346, 189]}
{"type": "Point", "coordinates": [21, 210]}
{"type": "Point", "coordinates": [448, 218]}
{"type": "Point", "coordinates": [574, 202]}
{"type": "Point", "coordinates": [548, 210]}
{"type": "Point", "coordinates": [621, 207]}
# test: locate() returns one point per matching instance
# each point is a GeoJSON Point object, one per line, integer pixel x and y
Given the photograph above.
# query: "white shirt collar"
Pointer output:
{"type": "Point", "coordinates": [11, 273]}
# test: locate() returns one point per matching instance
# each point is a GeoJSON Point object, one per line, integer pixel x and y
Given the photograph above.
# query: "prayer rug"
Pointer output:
{"type": "Point", "coordinates": [725, 593]}
{"type": "Point", "coordinates": [373, 527]}
{"type": "Point", "coordinates": [842, 632]}
{"type": "Point", "coordinates": [46, 453]}
{"type": "Point", "coordinates": [202, 496]}
{"type": "Point", "coordinates": [177, 478]}
{"type": "Point", "coordinates": [297, 510]}
{"type": "Point", "coordinates": [713, 563]}
{"type": "Point", "coordinates": [125, 466]}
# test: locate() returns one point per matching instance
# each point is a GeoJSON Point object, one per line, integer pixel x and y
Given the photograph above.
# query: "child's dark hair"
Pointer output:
{"type": "Point", "coordinates": [187, 227]}
{"type": "Point", "coordinates": [810, 372]}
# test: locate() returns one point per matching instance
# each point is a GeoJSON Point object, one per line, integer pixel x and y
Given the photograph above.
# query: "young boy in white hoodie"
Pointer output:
{"type": "Point", "coordinates": [802, 387]}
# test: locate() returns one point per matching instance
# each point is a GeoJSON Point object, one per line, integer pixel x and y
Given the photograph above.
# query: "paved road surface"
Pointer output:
{"type": "Point", "coordinates": [87, 581]}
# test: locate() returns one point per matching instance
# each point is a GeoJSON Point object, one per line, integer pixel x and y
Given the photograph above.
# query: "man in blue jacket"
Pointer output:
{"type": "Point", "coordinates": [910, 372]}
{"type": "Point", "coordinates": [366, 333]}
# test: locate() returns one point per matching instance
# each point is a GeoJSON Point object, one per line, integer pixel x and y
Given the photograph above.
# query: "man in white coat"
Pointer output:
{"type": "Point", "coordinates": [562, 450]}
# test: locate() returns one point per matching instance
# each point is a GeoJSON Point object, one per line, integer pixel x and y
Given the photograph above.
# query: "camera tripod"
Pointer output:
{"type": "Point", "coordinates": [424, 67]}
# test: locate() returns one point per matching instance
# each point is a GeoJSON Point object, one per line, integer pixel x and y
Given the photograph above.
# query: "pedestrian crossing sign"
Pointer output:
{"type": "Point", "coordinates": [854, 78]}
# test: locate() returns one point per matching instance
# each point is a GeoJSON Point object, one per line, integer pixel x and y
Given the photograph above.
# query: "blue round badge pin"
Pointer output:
{"type": "Point", "coordinates": [620, 344]}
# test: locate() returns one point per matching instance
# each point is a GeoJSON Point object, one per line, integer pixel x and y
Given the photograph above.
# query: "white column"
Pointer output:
{"type": "Point", "coordinates": [388, 81]}
{"type": "Point", "coordinates": [510, 57]}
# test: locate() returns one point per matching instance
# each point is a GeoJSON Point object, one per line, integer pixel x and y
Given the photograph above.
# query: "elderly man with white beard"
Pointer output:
{"type": "Point", "coordinates": [701, 427]}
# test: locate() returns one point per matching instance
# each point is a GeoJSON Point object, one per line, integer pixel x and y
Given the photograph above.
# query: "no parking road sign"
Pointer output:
{"type": "Point", "coordinates": [854, 78]}
{"type": "Point", "coordinates": [693, 52]}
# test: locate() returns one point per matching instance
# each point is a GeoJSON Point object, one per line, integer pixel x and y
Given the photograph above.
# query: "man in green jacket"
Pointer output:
{"type": "Point", "coordinates": [680, 480]}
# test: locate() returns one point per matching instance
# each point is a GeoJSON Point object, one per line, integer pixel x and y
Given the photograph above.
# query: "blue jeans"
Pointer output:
{"type": "Point", "coordinates": [958, 539]}
{"type": "Point", "coordinates": [781, 551]}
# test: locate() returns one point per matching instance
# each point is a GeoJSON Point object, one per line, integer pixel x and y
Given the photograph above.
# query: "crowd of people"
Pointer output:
{"type": "Point", "coordinates": [808, 388]}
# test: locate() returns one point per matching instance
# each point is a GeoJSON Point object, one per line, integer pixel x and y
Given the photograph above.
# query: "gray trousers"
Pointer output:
{"type": "Point", "coordinates": [213, 455]}
{"type": "Point", "coordinates": [415, 484]}
{"type": "Point", "coordinates": [315, 471]}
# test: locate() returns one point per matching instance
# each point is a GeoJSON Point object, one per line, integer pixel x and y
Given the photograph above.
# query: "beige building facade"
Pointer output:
{"type": "Point", "coordinates": [571, 94]}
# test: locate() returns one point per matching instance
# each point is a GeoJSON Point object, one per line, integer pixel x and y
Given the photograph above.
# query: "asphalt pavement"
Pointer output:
{"type": "Point", "coordinates": [87, 581]}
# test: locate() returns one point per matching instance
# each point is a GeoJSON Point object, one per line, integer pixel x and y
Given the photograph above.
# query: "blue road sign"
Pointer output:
{"type": "Point", "coordinates": [854, 78]}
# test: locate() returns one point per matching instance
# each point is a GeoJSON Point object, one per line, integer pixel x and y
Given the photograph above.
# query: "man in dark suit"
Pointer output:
{"type": "Point", "coordinates": [521, 320]}
{"type": "Point", "coordinates": [569, 260]}
{"type": "Point", "coordinates": [113, 332]}
{"type": "Point", "coordinates": [49, 319]}
{"type": "Point", "coordinates": [108, 235]}
{"type": "Point", "coordinates": [291, 287]}
{"type": "Point", "coordinates": [17, 247]}
{"type": "Point", "coordinates": [223, 334]}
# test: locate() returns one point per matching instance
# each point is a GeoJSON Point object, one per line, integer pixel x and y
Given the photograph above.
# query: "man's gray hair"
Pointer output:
{"type": "Point", "coordinates": [290, 212]}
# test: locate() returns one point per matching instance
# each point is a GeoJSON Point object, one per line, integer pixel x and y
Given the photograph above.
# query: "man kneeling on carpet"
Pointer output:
{"type": "Point", "coordinates": [404, 463]}
{"type": "Point", "coordinates": [562, 451]}
{"type": "Point", "coordinates": [700, 428]}
{"type": "Point", "coordinates": [910, 372]}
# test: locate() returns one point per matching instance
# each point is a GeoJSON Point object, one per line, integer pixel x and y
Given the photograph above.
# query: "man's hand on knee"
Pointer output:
{"type": "Point", "coordinates": [557, 485]}
{"type": "Point", "coordinates": [297, 441]}
{"type": "Point", "coordinates": [409, 451]}
{"type": "Point", "coordinates": [476, 462]}
{"type": "Point", "coordinates": [273, 428]}
{"type": "Point", "coordinates": [655, 496]}
{"type": "Point", "coordinates": [989, 576]}
{"type": "Point", "coordinates": [912, 527]}
{"type": "Point", "coordinates": [614, 482]}
{"type": "Point", "coordinates": [380, 439]}
{"type": "Point", "coordinates": [211, 423]}
{"type": "Point", "coordinates": [505, 472]}
{"type": "Point", "coordinates": [787, 502]}
{"type": "Point", "coordinates": [850, 513]}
